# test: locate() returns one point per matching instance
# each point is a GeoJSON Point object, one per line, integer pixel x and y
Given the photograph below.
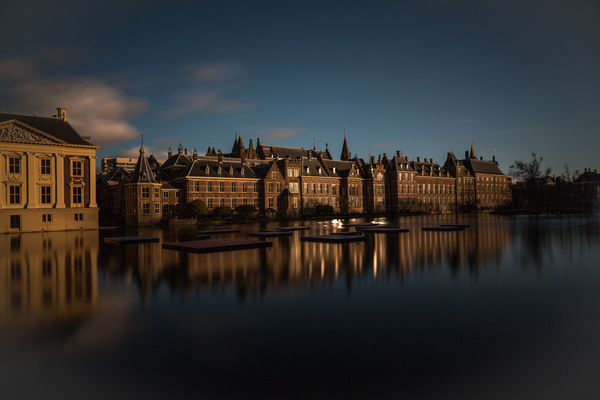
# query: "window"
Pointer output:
{"type": "Point", "coordinates": [165, 209]}
{"type": "Point", "coordinates": [334, 189]}
{"type": "Point", "coordinates": [278, 187]}
{"type": "Point", "coordinates": [222, 202]}
{"type": "Point", "coordinates": [15, 222]}
{"type": "Point", "coordinates": [234, 203]}
{"type": "Point", "coordinates": [78, 217]}
{"type": "Point", "coordinates": [177, 194]}
{"type": "Point", "coordinates": [165, 194]}
{"type": "Point", "coordinates": [145, 208]}
{"type": "Point", "coordinates": [46, 194]}
{"type": "Point", "coordinates": [156, 193]}
{"type": "Point", "coordinates": [296, 173]}
{"type": "Point", "coordinates": [14, 194]}
{"type": "Point", "coordinates": [244, 187]}
{"type": "Point", "coordinates": [294, 187]}
{"type": "Point", "coordinates": [77, 195]}
{"type": "Point", "coordinates": [145, 193]}
{"type": "Point", "coordinates": [196, 186]}
{"type": "Point", "coordinates": [221, 186]}
{"type": "Point", "coordinates": [14, 165]}
{"type": "Point", "coordinates": [326, 188]}
{"type": "Point", "coordinates": [295, 202]}
{"type": "Point", "coordinates": [255, 187]}
{"type": "Point", "coordinates": [270, 202]}
{"type": "Point", "coordinates": [245, 201]}
{"type": "Point", "coordinates": [289, 173]}
{"type": "Point", "coordinates": [45, 166]}
{"type": "Point", "coordinates": [46, 217]}
{"type": "Point", "coordinates": [270, 187]}
{"type": "Point", "coordinates": [305, 187]}
{"type": "Point", "coordinates": [274, 175]}
{"type": "Point", "coordinates": [314, 188]}
{"type": "Point", "coordinates": [210, 203]}
{"type": "Point", "coordinates": [233, 187]}
{"type": "Point", "coordinates": [209, 186]}
{"type": "Point", "coordinates": [156, 208]}
{"type": "Point", "coordinates": [77, 168]}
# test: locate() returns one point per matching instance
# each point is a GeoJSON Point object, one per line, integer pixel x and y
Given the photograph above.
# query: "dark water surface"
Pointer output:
{"type": "Point", "coordinates": [506, 309]}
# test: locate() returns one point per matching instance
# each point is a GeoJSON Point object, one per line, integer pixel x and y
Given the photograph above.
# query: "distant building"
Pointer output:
{"type": "Point", "coordinates": [108, 165]}
{"type": "Point", "coordinates": [47, 175]}
{"type": "Point", "coordinates": [288, 182]}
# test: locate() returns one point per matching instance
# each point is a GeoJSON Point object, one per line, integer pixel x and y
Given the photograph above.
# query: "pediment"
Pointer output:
{"type": "Point", "coordinates": [14, 131]}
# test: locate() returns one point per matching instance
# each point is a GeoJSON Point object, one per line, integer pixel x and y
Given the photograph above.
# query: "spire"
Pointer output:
{"type": "Point", "coordinates": [473, 156]}
{"type": "Point", "coordinates": [345, 152]}
{"type": "Point", "coordinates": [142, 172]}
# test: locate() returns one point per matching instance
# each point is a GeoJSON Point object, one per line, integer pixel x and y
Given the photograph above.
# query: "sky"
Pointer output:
{"type": "Point", "coordinates": [424, 77]}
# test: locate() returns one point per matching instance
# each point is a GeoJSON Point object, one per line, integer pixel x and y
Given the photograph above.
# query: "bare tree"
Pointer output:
{"type": "Point", "coordinates": [529, 172]}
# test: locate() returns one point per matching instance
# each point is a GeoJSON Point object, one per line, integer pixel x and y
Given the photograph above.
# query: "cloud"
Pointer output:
{"type": "Point", "coordinates": [215, 72]}
{"type": "Point", "coordinates": [134, 152]}
{"type": "Point", "coordinates": [518, 130]}
{"type": "Point", "coordinates": [205, 100]}
{"type": "Point", "coordinates": [280, 133]}
{"type": "Point", "coordinates": [94, 107]}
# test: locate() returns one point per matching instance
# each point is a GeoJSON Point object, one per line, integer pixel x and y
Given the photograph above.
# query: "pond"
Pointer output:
{"type": "Point", "coordinates": [506, 308]}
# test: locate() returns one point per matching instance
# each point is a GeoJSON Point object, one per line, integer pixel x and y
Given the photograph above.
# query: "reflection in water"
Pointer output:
{"type": "Point", "coordinates": [48, 280]}
{"type": "Point", "coordinates": [452, 305]}
{"type": "Point", "coordinates": [291, 262]}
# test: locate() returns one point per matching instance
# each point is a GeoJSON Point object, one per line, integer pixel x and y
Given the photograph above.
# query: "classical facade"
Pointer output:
{"type": "Point", "coordinates": [288, 182]}
{"type": "Point", "coordinates": [47, 175]}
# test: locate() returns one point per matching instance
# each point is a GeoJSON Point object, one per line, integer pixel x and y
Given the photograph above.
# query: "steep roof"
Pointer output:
{"type": "Point", "coordinates": [588, 176]}
{"type": "Point", "coordinates": [142, 172]}
{"type": "Point", "coordinates": [345, 156]}
{"type": "Point", "coordinates": [482, 167]}
{"type": "Point", "coordinates": [56, 127]}
{"type": "Point", "coordinates": [210, 168]}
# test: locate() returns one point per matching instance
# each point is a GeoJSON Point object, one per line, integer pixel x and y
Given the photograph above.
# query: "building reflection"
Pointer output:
{"type": "Point", "coordinates": [48, 278]}
{"type": "Point", "coordinates": [293, 263]}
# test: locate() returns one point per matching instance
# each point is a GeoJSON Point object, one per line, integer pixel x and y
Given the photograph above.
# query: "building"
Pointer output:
{"type": "Point", "coordinates": [287, 182]}
{"type": "Point", "coordinates": [47, 175]}
{"type": "Point", "coordinates": [109, 165]}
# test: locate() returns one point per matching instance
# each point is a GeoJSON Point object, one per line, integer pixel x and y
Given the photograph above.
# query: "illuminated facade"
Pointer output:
{"type": "Point", "coordinates": [47, 175]}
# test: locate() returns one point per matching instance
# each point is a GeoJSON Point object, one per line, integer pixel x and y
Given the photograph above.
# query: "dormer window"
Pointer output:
{"type": "Point", "coordinates": [207, 170]}
{"type": "Point", "coordinates": [319, 170]}
{"type": "Point", "coordinates": [231, 170]}
{"type": "Point", "coordinates": [219, 170]}
{"type": "Point", "coordinates": [334, 170]}
{"type": "Point", "coordinates": [307, 170]}
{"type": "Point", "coordinates": [242, 171]}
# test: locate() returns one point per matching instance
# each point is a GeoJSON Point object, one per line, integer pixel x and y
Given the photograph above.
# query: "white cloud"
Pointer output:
{"type": "Point", "coordinates": [280, 133]}
{"type": "Point", "coordinates": [94, 107]}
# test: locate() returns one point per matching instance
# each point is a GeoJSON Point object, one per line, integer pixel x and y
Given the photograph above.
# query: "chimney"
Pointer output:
{"type": "Point", "coordinates": [61, 113]}
{"type": "Point", "coordinates": [309, 155]}
{"type": "Point", "coordinates": [194, 155]}
{"type": "Point", "coordinates": [466, 155]}
{"type": "Point", "coordinates": [186, 151]}
{"type": "Point", "coordinates": [372, 160]}
{"type": "Point", "coordinates": [169, 153]}
{"type": "Point", "coordinates": [250, 145]}
{"type": "Point", "coordinates": [220, 158]}
{"type": "Point", "coordinates": [180, 150]}
{"type": "Point", "coordinates": [481, 158]}
{"type": "Point", "coordinates": [418, 159]}
{"type": "Point", "coordinates": [398, 154]}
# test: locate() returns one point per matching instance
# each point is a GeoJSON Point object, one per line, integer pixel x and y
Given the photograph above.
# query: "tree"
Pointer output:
{"type": "Point", "coordinates": [195, 208]}
{"type": "Point", "coordinates": [246, 209]}
{"type": "Point", "coordinates": [222, 211]}
{"type": "Point", "coordinates": [531, 180]}
{"type": "Point", "coordinates": [529, 172]}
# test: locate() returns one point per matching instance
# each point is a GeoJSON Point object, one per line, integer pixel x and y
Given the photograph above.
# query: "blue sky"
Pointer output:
{"type": "Point", "coordinates": [422, 77]}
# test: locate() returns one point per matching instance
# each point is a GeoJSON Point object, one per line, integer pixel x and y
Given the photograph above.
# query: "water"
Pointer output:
{"type": "Point", "coordinates": [508, 308]}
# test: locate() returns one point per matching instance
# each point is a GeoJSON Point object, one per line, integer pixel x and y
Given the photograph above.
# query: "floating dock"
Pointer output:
{"type": "Point", "coordinates": [217, 231]}
{"type": "Point", "coordinates": [131, 239]}
{"type": "Point", "coordinates": [268, 234]}
{"type": "Point", "coordinates": [382, 229]}
{"type": "Point", "coordinates": [292, 228]}
{"type": "Point", "coordinates": [217, 245]}
{"type": "Point", "coordinates": [334, 238]}
{"type": "Point", "coordinates": [444, 228]}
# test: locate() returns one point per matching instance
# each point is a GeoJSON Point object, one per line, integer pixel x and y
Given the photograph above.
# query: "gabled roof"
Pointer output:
{"type": "Point", "coordinates": [216, 169]}
{"type": "Point", "coordinates": [56, 127]}
{"type": "Point", "coordinates": [399, 163]}
{"type": "Point", "coordinates": [482, 167]}
{"type": "Point", "coordinates": [312, 167]}
{"type": "Point", "coordinates": [142, 172]}
{"type": "Point", "coordinates": [587, 176]}
{"type": "Point", "coordinates": [177, 160]}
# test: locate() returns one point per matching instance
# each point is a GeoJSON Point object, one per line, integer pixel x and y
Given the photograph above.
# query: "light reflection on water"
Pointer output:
{"type": "Point", "coordinates": [505, 308]}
